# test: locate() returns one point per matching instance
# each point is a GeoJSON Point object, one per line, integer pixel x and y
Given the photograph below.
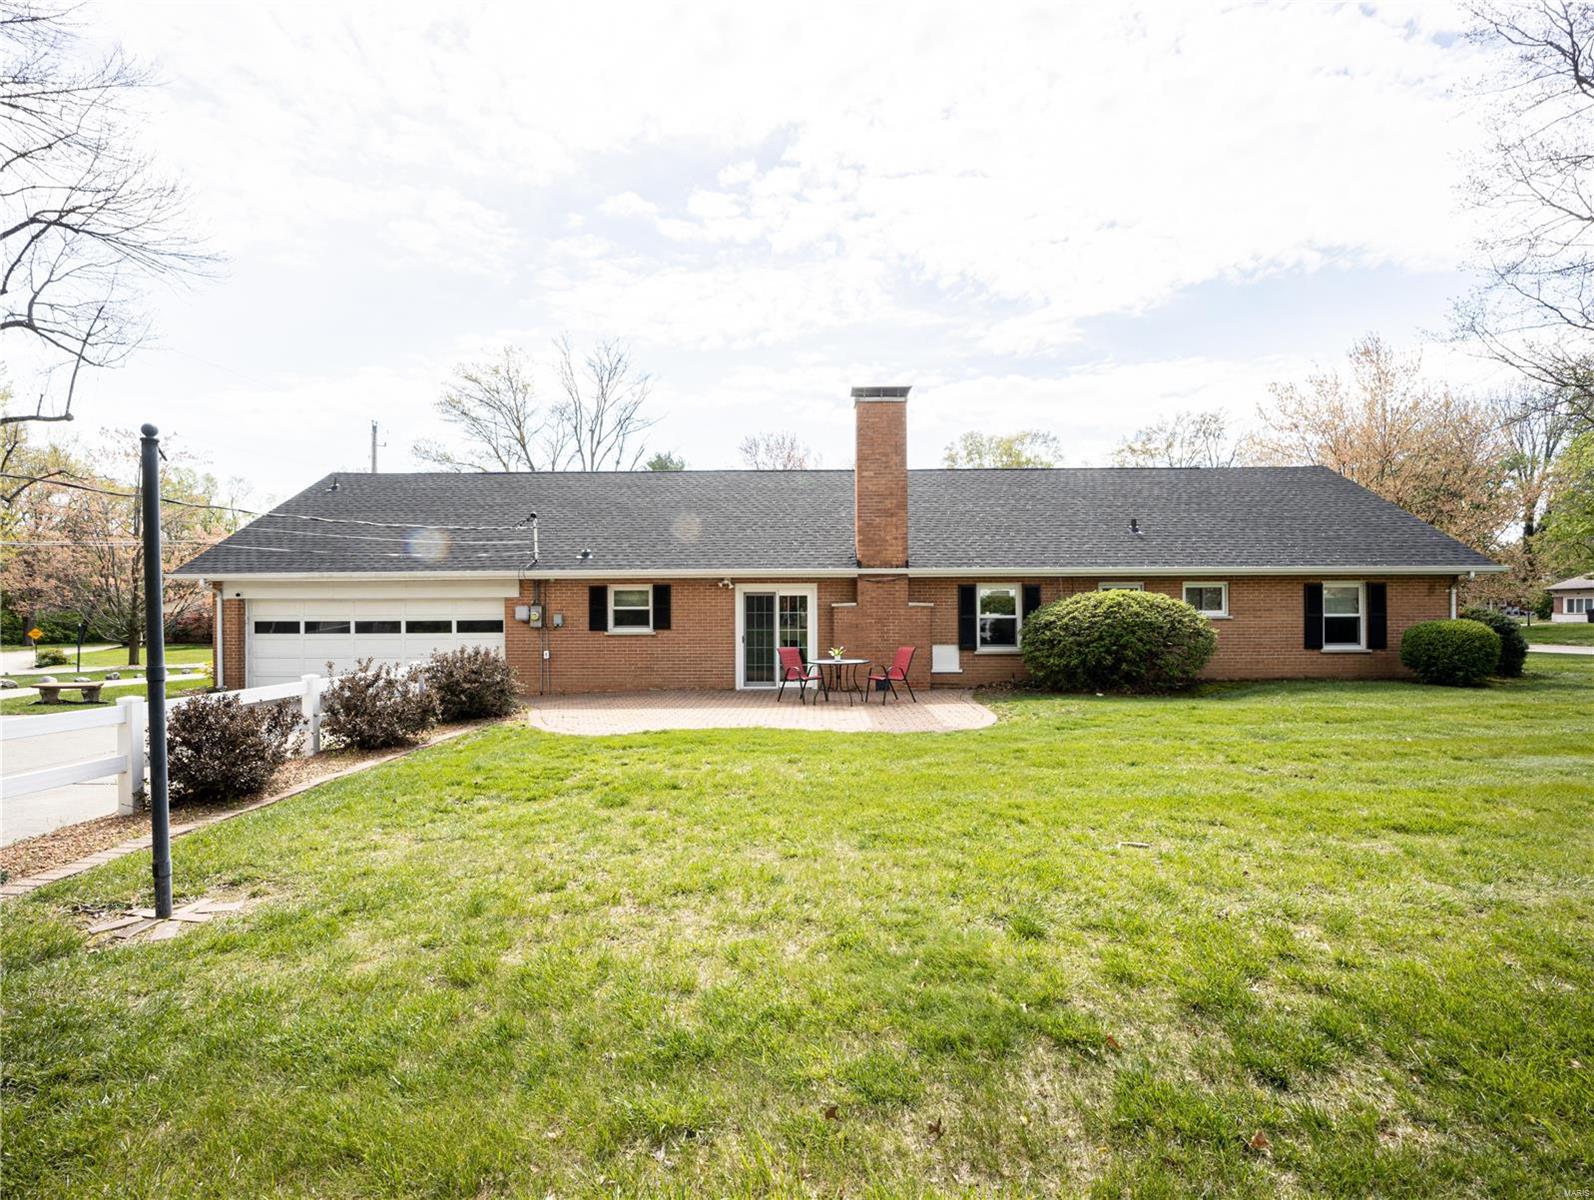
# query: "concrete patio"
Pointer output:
{"type": "Point", "coordinates": [938, 711]}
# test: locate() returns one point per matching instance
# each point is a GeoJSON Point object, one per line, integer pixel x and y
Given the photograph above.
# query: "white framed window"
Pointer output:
{"type": "Point", "coordinates": [1344, 615]}
{"type": "Point", "coordinates": [1579, 604]}
{"type": "Point", "coordinates": [997, 615]}
{"type": "Point", "coordinates": [630, 608]}
{"type": "Point", "coordinates": [1209, 598]}
{"type": "Point", "coordinates": [1119, 585]}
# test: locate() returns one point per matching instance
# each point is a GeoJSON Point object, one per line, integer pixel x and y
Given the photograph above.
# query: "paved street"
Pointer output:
{"type": "Point", "coordinates": [43, 811]}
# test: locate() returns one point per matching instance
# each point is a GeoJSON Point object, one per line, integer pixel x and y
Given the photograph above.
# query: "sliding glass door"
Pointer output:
{"type": "Point", "coordinates": [767, 619]}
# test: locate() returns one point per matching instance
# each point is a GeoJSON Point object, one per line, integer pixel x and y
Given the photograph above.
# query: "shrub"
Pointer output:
{"type": "Point", "coordinates": [472, 681]}
{"type": "Point", "coordinates": [1513, 646]}
{"type": "Point", "coordinates": [49, 656]}
{"type": "Point", "coordinates": [1543, 605]}
{"type": "Point", "coordinates": [375, 706]}
{"type": "Point", "coordinates": [219, 749]}
{"type": "Point", "coordinates": [1117, 641]}
{"type": "Point", "coordinates": [1453, 653]}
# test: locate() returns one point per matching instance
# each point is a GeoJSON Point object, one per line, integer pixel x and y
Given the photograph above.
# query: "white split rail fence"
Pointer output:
{"type": "Point", "coordinates": [130, 717]}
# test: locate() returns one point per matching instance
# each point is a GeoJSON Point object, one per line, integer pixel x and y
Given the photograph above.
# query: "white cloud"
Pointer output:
{"type": "Point", "coordinates": [776, 203]}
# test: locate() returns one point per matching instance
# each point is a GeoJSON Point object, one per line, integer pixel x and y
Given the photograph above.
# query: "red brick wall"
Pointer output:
{"type": "Point", "coordinates": [1262, 638]}
{"type": "Point", "coordinates": [883, 620]}
{"type": "Point", "coordinates": [880, 483]}
{"type": "Point", "coordinates": [230, 670]}
{"type": "Point", "coordinates": [697, 651]}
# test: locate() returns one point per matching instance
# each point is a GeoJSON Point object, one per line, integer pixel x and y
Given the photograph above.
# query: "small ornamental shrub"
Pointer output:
{"type": "Point", "coordinates": [1513, 646]}
{"type": "Point", "coordinates": [1451, 653]}
{"type": "Point", "coordinates": [1543, 605]}
{"type": "Point", "coordinates": [218, 749]}
{"type": "Point", "coordinates": [473, 681]}
{"type": "Point", "coordinates": [49, 656]}
{"type": "Point", "coordinates": [1117, 641]}
{"type": "Point", "coordinates": [376, 706]}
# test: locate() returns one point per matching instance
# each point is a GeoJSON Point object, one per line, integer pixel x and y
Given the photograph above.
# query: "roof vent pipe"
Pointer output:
{"type": "Point", "coordinates": [1134, 527]}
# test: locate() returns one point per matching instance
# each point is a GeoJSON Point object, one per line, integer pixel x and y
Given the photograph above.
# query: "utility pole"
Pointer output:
{"type": "Point", "coordinates": [155, 671]}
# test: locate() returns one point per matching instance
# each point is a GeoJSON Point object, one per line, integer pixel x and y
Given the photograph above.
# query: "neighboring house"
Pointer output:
{"type": "Point", "coordinates": [1572, 599]}
{"type": "Point", "coordinates": [694, 578]}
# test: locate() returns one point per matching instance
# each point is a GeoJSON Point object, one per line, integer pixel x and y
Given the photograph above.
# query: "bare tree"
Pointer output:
{"type": "Point", "coordinates": [1186, 439]}
{"type": "Point", "coordinates": [494, 407]}
{"type": "Point", "coordinates": [86, 219]}
{"type": "Point", "coordinates": [1026, 448]}
{"type": "Point", "coordinates": [599, 423]}
{"type": "Point", "coordinates": [1535, 183]}
{"type": "Point", "coordinates": [1438, 455]}
{"type": "Point", "coordinates": [1535, 430]}
{"type": "Point", "coordinates": [777, 451]}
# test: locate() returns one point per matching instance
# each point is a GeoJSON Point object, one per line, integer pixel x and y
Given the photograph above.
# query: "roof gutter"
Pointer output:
{"type": "Point", "coordinates": [1117, 571]}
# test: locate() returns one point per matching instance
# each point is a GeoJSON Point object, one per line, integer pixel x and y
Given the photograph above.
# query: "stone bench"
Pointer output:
{"type": "Point", "coordinates": [50, 693]}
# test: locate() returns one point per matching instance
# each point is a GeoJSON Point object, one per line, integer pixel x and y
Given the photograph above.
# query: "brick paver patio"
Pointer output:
{"type": "Point", "coordinates": [938, 711]}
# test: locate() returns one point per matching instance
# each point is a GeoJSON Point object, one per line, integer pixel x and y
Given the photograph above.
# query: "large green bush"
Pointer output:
{"type": "Point", "coordinates": [1453, 653]}
{"type": "Point", "coordinates": [1117, 641]}
{"type": "Point", "coordinates": [1513, 646]}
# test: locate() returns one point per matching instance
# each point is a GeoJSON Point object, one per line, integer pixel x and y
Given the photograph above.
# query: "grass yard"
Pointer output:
{"type": "Point", "coordinates": [1566, 633]}
{"type": "Point", "coordinates": [30, 706]}
{"type": "Point", "coordinates": [96, 662]}
{"type": "Point", "coordinates": [749, 962]}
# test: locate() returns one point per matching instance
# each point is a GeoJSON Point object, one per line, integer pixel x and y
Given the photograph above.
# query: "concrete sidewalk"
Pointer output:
{"type": "Point", "coordinates": [1548, 648]}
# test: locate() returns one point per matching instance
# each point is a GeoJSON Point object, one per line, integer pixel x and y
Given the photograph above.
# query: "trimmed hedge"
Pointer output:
{"type": "Point", "coordinates": [1513, 646]}
{"type": "Point", "coordinates": [1451, 653]}
{"type": "Point", "coordinates": [219, 749]}
{"type": "Point", "coordinates": [1117, 641]}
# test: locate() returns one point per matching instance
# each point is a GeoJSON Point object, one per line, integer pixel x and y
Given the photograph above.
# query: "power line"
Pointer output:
{"type": "Point", "coordinates": [234, 509]}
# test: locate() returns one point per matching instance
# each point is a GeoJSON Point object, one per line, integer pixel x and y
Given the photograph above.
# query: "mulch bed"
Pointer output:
{"type": "Point", "coordinates": [45, 852]}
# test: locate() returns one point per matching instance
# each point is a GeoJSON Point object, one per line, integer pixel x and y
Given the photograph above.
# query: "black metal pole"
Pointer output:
{"type": "Point", "coordinates": [82, 628]}
{"type": "Point", "coordinates": [155, 674]}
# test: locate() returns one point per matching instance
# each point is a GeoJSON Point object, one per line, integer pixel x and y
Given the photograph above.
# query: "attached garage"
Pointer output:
{"type": "Point", "coordinates": [287, 639]}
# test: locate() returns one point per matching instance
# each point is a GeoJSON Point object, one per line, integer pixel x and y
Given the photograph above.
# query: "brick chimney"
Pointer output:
{"type": "Point", "coordinates": [880, 476]}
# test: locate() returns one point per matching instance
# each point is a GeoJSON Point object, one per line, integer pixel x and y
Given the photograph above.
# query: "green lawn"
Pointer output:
{"type": "Point", "coordinates": [20, 706]}
{"type": "Point", "coordinates": [745, 962]}
{"type": "Point", "coordinates": [115, 659]}
{"type": "Point", "coordinates": [1567, 633]}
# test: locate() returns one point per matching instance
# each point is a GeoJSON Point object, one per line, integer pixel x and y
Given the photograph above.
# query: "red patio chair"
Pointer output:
{"type": "Point", "coordinates": [794, 670]}
{"type": "Point", "coordinates": [896, 673]}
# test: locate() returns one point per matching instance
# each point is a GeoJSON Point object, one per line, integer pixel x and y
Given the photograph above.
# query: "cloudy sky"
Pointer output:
{"type": "Point", "coordinates": [1072, 218]}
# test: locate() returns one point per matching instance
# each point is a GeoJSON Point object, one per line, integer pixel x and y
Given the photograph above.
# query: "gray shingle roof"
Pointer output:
{"type": "Point", "coordinates": [739, 521]}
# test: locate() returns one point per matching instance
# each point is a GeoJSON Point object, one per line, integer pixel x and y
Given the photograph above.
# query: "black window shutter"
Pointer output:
{"type": "Point", "coordinates": [967, 636]}
{"type": "Point", "coordinates": [597, 608]}
{"type": "Point", "coordinates": [1377, 616]}
{"type": "Point", "coordinates": [661, 606]}
{"type": "Point", "coordinates": [1032, 599]}
{"type": "Point", "coordinates": [1314, 616]}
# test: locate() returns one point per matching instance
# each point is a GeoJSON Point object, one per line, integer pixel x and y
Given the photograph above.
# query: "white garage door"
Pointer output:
{"type": "Point", "coordinates": [292, 638]}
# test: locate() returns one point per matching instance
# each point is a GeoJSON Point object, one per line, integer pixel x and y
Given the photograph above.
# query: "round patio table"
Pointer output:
{"type": "Point", "coordinates": [840, 674]}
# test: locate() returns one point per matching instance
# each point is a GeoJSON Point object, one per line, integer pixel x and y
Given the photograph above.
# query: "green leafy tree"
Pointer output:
{"type": "Point", "coordinates": [1566, 535]}
{"type": "Point", "coordinates": [664, 460]}
{"type": "Point", "coordinates": [1026, 448]}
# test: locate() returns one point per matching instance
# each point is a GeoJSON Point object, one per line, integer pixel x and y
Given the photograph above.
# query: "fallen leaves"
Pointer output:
{"type": "Point", "coordinates": [1260, 1142]}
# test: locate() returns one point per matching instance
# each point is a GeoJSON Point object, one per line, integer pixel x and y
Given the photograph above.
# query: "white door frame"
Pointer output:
{"type": "Point", "coordinates": [778, 590]}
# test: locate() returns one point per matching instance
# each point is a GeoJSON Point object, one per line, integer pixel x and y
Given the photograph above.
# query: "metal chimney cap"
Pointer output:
{"type": "Point", "coordinates": [881, 393]}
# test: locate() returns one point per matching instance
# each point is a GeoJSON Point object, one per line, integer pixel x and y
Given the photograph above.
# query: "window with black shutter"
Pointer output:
{"type": "Point", "coordinates": [598, 608]}
{"type": "Point", "coordinates": [1032, 598]}
{"type": "Point", "coordinates": [661, 606]}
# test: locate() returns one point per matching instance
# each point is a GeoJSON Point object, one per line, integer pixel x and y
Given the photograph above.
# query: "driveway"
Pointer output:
{"type": "Point", "coordinates": [41, 812]}
{"type": "Point", "coordinates": [14, 661]}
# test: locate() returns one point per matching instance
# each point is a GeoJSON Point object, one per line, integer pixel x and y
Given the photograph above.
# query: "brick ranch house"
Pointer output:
{"type": "Point", "coordinates": [637, 580]}
{"type": "Point", "coordinates": [1572, 599]}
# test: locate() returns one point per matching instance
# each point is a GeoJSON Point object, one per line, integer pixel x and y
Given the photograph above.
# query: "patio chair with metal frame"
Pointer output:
{"type": "Point", "coordinates": [794, 670]}
{"type": "Point", "coordinates": [896, 673]}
